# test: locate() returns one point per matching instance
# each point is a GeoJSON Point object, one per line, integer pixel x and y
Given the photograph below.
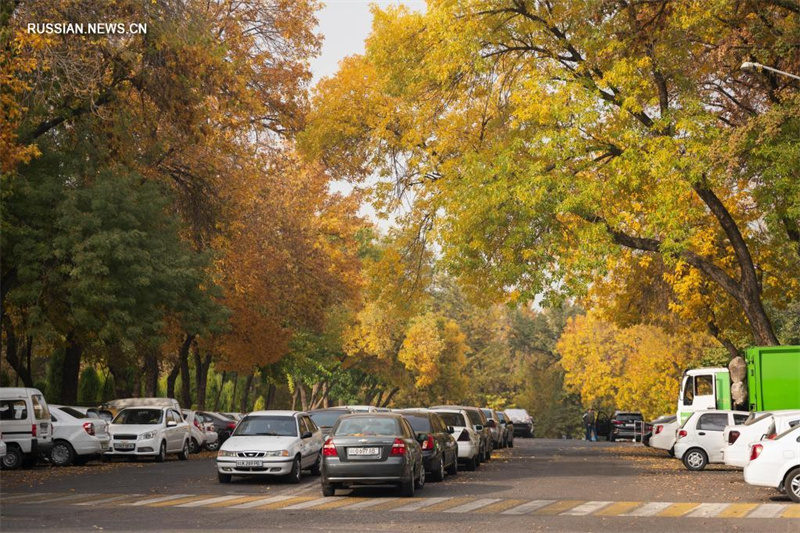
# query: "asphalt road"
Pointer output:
{"type": "Point", "coordinates": [540, 484]}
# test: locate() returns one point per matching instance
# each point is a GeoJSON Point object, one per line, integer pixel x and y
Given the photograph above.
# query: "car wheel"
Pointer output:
{"type": "Point", "coordinates": [407, 487]}
{"type": "Point", "coordinates": [62, 453]}
{"type": "Point", "coordinates": [184, 455]}
{"type": "Point", "coordinates": [224, 478]}
{"type": "Point", "coordinates": [162, 453]}
{"type": "Point", "coordinates": [438, 473]}
{"type": "Point", "coordinates": [453, 468]}
{"type": "Point", "coordinates": [328, 489]}
{"type": "Point", "coordinates": [12, 459]}
{"type": "Point", "coordinates": [695, 459]}
{"type": "Point", "coordinates": [511, 443]}
{"type": "Point", "coordinates": [792, 485]}
{"type": "Point", "coordinates": [610, 438]}
{"type": "Point", "coordinates": [421, 478]}
{"type": "Point", "coordinates": [212, 446]}
{"type": "Point", "coordinates": [671, 452]}
{"type": "Point", "coordinates": [295, 474]}
{"type": "Point", "coordinates": [316, 465]}
{"type": "Point", "coordinates": [194, 447]}
{"type": "Point", "coordinates": [488, 455]}
{"type": "Point", "coordinates": [475, 463]}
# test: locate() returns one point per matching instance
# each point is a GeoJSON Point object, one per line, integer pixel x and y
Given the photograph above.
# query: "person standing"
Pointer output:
{"type": "Point", "coordinates": [593, 421]}
{"type": "Point", "coordinates": [588, 423]}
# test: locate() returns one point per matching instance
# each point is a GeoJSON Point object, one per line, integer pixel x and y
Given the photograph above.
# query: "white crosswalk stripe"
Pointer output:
{"type": "Point", "coordinates": [366, 504]}
{"type": "Point", "coordinates": [158, 500]}
{"type": "Point", "coordinates": [311, 503]}
{"type": "Point", "coordinates": [529, 507]}
{"type": "Point", "coordinates": [649, 509]}
{"type": "Point", "coordinates": [109, 500]}
{"type": "Point", "coordinates": [586, 508]}
{"type": "Point", "coordinates": [420, 504]}
{"type": "Point", "coordinates": [209, 501]}
{"type": "Point", "coordinates": [708, 510]}
{"type": "Point", "coordinates": [471, 506]}
{"type": "Point", "coordinates": [767, 510]}
{"type": "Point", "coordinates": [67, 498]}
{"type": "Point", "coordinates": [5, 498]}
{"type": "Point", "coordinates": [262, 501]}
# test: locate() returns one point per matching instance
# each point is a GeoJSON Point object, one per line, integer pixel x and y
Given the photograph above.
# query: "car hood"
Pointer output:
{"type": "Point", "coordinates": [133, 429]}
{"type": "Point", "coordinates": [258, 443]}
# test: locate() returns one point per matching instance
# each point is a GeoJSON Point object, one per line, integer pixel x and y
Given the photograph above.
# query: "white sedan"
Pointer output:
{"type": "Point", "coordinates": [776, 463]}
{"type": "Point", "coordinates": [273, 443]}
{"type": "Point", "coordinates": [738, 439]}
{"type": "Point", "coordinates": [700, 441]}
{"type": "Point", "coordinates": [76, 436]}
{"type": "Point", "coordinates": [149, 432]}
{"type": "Point", "coordinates": [663, 435]}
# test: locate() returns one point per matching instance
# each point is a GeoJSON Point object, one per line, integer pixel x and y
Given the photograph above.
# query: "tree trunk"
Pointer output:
{"type": "Point", "coordinates": [186, 381]}
{"type": "Point", "coordinates": [151, 372]}
{"type": "Point", "coordinates": [219, 390]}
{"type": "Point", "coordinates": [389, 397]}
{"type": "Point", "coordinates": [270, 396]}
{"type": "Point", "coordinates": [246, 392]}
{"type": "Point", "coordinates": [13, 355]}
{"type": "Point", "coordinates": [235, 386]}
{"type": "Point", "coordinates": [183, 354]}
{"type": "Point", "coordinates": [71, 370]}
{"type": "Point", "coordinates": [201, 377]}
{"type": "Point", "coordinates": [303, 397]}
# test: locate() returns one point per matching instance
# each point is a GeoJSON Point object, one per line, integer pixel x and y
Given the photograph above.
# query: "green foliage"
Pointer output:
{"type": "Point", "coordinates": [108, 388]}
{"type": "Point", "coordinates": [89, 388]}
{"type": "Point", "coordinates": [259, 404]}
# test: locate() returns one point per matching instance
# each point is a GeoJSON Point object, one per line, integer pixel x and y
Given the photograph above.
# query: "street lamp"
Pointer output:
{"type": "Point", "coordinates": [749, 65]}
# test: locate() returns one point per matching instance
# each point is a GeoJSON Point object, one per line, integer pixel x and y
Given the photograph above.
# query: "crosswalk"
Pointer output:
{"type": "Point", "coordinates": [449, 504]}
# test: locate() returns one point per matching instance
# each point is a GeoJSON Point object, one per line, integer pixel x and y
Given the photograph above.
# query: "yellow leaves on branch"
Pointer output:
{"type": "Point", "coordinates": [434, 345]}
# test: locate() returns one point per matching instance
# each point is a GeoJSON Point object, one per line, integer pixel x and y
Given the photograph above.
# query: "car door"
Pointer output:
{"type": "Point", "coordinates": [316, 440]}
{"type": "Point", "coordinates": [708, 433]}
{"type": "Point", "coordinates": [175, 433]}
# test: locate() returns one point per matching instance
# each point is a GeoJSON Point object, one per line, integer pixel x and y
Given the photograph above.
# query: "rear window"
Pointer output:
{"type": "Point", "coordinates": [269, 426]}
{"type": "Point", "coordinates": [453, 419]}
{"type": "Point", "coordinates": [367, 426]}
{"type": "Point", "coordinates": [73, 412]}
{"type": "Point", "coordinates": [327, 418]}
{"type": "Point", "coordinates": [629, 417]}
{"type": "Point", "coordinates": [487, 412]}
{"type": "Point", "coordinates": [40, 411]}
{"type": "Point", "coordinates": [474, 417]}
{"type": "Point", "coordinates": [13, 410]}
{"type": "Point", "coordinates": [756, 419]}
{"type": "Point", "coordinates": [139, 416]}
{"type": "Point", "coordinates": [501, 417]}
{"type": "Point", "coordinates": [420, 424]}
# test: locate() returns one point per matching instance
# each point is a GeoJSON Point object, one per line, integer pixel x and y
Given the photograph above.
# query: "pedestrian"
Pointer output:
{"type": "Point", "coordinates": [588, 423]}
{"type": "Point", "coordinates": [593, 421]}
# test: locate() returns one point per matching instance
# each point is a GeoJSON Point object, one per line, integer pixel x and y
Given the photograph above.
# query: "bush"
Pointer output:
{"type": "Point", "coordinates": [89, 387]}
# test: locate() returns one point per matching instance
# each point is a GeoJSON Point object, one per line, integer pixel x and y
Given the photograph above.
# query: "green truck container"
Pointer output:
{"type": "Point", "coordinates": [773, 377]}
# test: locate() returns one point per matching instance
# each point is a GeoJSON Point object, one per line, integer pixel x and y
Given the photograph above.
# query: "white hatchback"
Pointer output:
{"type": "Point", "coordinates": [699, 440]}
{"type": "Point", "coordinates": [149, 432]}
{"type": "Point", "coordinates": [467, 437]}
{"type": "Point", "coordinates": [272, 443]}
{"type": "Point", "coordinates": [76, 436]}
{"type": "Point", "coordinates": [738, 439]}
{"type": "Point", "coordinates": [776, 463]}
{"type": "Point", "coordinates": [663, 435]}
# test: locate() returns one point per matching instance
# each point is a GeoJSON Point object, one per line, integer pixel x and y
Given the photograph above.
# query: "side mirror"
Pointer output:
{"type": "Point", "coordinates": [171, 424]}
{"type": "Point", "coordinates": [306, 435]}
{"type": "Point", "coordinates": [451, 429]}
{"type": "Point", "coordinates": [478, 427]}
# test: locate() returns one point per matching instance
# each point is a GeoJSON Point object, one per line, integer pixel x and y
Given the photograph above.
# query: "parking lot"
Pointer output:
{"type": "Point", "coordinates": [540, 484]}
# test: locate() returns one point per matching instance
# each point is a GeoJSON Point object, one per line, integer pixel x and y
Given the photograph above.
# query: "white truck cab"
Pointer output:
{"type": "Point", "coordinates": [702, 389]}
{"type": "Point", "coordinates": [25, 425]}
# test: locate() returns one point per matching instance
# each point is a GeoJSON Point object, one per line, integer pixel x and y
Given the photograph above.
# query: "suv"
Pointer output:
{"type": "Point", "coordinates": [25, 425]}
{"type": "Point", "coordinates": [493, 421]}
{"type": "Point", "coordinates": [523, 423]}
{"type": "Point", "coordinates": [626, 425]}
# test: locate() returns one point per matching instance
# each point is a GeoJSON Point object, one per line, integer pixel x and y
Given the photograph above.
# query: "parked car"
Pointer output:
{"type": "Point", "coordinates": [372, 449]}
{"type": "Point", "coordinates": [493, 421]}
{"type": "Point", "coordinates": [468, 439]}
{"type": "Point", "coordinates": [626, 425]}
{"type": "Point", "coordinates": [739, 438]}
{"type": "Point", "coordinates": [776, 463]}
{"type": "Point", "coordinates": [77, 438]}
{"type": "Point", "coordinates": [699, 440]}
{"type": "Point", "coordinates": [25, 425]}
{"type": "Point", "coordinates": [271, 443]}
{"type": "Point", "coordinates": [2, 447]}
{"type": "Point", "coordinates": [362, 408]}
{"type": "Point", "coordinates": [439, 448]}
{"type": "Point", "coordinates": [663, 435]}
{"type": "Point", "coordinates": [327, 417]}
{"type": "Point", "coordinates": [197, 433]}
{"type": "Point", "coordinates": [479, 422]}
{"type": "Point", "coordinates": [523, 423]}
{"type": "Point", "coordinates": [115, 406]}
{"type": "Point", "coordinates": [508, 429]}
{"type": "Point", "coordinates": [223, 425]}
{"type": "Point", "coordinates": [236, 417]}
{"type": "Point", "coordinates": [149, 432]}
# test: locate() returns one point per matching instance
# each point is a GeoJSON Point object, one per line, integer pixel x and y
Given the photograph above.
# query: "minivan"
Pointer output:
{"type": "Point", "coordinates": [25, 425]}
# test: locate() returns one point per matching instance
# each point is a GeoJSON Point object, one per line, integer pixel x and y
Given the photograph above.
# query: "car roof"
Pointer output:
{"type": "Point", "coordinates": [454, 407]}
{"type": "Point", "coordinates": [413, 411]}
{"type": "Point", "coordinates": [276, 413]}
{"type": "Point", "coordinates": [18, 391]}
{"type": "Point", "coordinates": [372, 415]}
{"type": "Point", "coordinates": [328, 409]}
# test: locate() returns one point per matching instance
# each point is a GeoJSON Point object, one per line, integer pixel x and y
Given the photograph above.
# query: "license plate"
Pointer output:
{"type": "Point", "coordinates": [248, 463]}
{"type": "Point", "coordinates": [363, 451]}
{"type": "Point", "coordinates": [124, 446]}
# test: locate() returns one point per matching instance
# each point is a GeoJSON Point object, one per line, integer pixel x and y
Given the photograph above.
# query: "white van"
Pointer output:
{"type": "Point", "coordinates": [25, 425]}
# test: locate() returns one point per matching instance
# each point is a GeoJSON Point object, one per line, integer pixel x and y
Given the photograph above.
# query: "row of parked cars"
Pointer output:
{"type": "Point", "coordinates": [30, 429]}
{"type": "Point", "coordinates": [766, 445]}
{"type": "Point", "coordinates": [360, 445]}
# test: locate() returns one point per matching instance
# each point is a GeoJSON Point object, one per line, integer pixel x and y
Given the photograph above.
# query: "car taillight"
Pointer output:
{"type": "Point", "coordinates": [398, 447]}
{"type": "Point", "coordinates": [328, 449]}
{"type": "Point", "coordinates": [428, 443]}
{"type": "Point", "coordinates": [617, 422]}
{"type": "Point", "coordinates": [682, 433]}
{"type": "Point", "coordinates": [732, 436]}
{"type": "Point", "coordinates": [755, 451]}
{"type": "Point", "coordinates": [658, 429]}
{"type": "Point", "coordinates": [464, 437]}
{"type": "Point", "coordinates": [231, 425]}
{"type": "Point", "coordinates": [197, 425]}
{"type": "Point", "coordinates": [33, 430]}
{"type": "Point", "coordinates": [88, 427]}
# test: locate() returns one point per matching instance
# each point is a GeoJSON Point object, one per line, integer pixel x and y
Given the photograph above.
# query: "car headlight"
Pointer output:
{"type": "Point", "coordinates": [148, 435]}
{"type": "Point", "coordinates": [277, 453]}
{"type": "Point", "coordinates": [226, 453]}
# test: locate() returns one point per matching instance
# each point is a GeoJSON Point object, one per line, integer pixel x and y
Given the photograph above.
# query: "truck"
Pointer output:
{"type": "Point", "coordinates": [773, 382]}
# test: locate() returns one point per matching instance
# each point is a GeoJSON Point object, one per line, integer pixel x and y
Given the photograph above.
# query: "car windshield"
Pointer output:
{"type": "Point", "coordinates": [73, 412]}
{"type": "Point", "coordinates": [139, 416]}
{"type": "Point", "coordinates": [419, 423]}
{"type": "Point", "coordinates": [453, 419]}
{"type": "Point", "coordinates": [363, 426]}
{"type": "Point", "coordinates": [327, 418]}
{"type": "Point", "coordinates": [269, 426]}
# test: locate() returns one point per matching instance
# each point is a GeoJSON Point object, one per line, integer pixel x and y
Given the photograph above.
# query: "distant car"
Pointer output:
{"type": "Point", "coordinates": [271, 443]}
{"type": "Point", "coordinates": [493, 421]}
{"type": "Point", "coordinates": [626, 425]}
{"type": "Point", "coordinates": [326, 418]}
{"type": "Point", "coordinates": [480, 423]}
{"type": "Point", "coordinates": [363, 408]}
{"type": "Point", "coordinates": [149, 432]}
{"type": "Point", "coordinates": [233, 416]}
{"type": "Point", "coordinates": [372, 449]}
{"type": "Point", "coordinates": [699, 440]}
{"type": "Point", "coordinates": [508, 429]}
{"type": "Point", "coordinates": [197, 432]}
{"type": "Point", "coordinates": [663, 435]}
{"type": "Point", "coordinates": [223, 425]}
{"type": "Point", "coordinates": [776, 464]}
{"type": "Point", "coordinates": [77, 437]}
{"type": "Point", "coordinates": [739, 438]}
{"type": "Point", "coordinates": [439, 448]}
{"type": "Point", "coordinates": [468, 439]}
{"type": "Point", "coordinates": [25, 425]}
{"type": "Point", "coordinates": [523, 423]}
{"type": "Point", "coordinates": [115, 406]}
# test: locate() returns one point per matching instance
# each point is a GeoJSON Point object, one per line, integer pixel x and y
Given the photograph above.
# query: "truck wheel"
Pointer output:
{"type": "Point", "coordinates": [13, 458]}
{"type": "Point", "coordinates": [792, 485]}
{"type": "Point", "coordinates": [695, 459]}
{"type": "Point", "coordinates": [62, 453]}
